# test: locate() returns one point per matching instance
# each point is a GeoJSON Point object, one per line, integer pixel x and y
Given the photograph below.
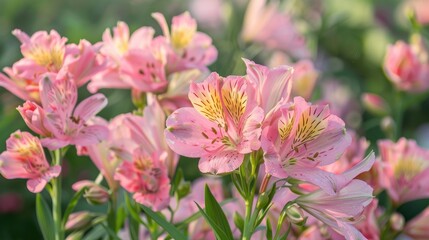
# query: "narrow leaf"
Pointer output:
{"type": "Point", "coordinates": [97, 232]}
{"type": "Point", "coordinates": [132, 211]}
{"type": "Point", "coordinates": [170, 228]}
{"type": "Point", "coordinates": [44, 217]}
{"type": "Point", "coordinates": [215, 212]}
{"type": "Point", "coordinates": [72, 205]}
{"type": "Point", "coordinates": [220, 234]}
{"type": "Point", "coordinates": [269, 231]}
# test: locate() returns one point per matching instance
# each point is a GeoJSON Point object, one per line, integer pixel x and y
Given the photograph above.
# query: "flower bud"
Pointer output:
{"type": "Point", "coordinates": [263, 201]}
{"type": "Point", "coordinates": [375, 104]}
{"type": "Point", "coordinates": [388, 126]}
{"type": "Point", "coordinates": [295, 215]}
{"type": "Point", "coordinates": [397, 222]}
{"type": "Point", "coordinates": [96, 195]}
{"type": "Point", "coordinates": [78, 220]}
{"type": "Point", "coordinates": [75, 235]}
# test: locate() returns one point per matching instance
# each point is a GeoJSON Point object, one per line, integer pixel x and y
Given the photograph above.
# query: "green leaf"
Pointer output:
{"type": "Point", "coordinates": [120, 217]}
{"type": "Point", "coordinates": [170, 228]}
{"type": "Point", "coordinates": [239, 222]}
{"type": "Point", "coordinates": [44, 217]}
{"type": "Point", "coordinates": [269, 231]}
{"type": "Point", "coordinates": [176, 181]}
{"type": "Point", "coordinates": [72, 205]}
{"type": "Point", "coordinates": [111, 233]}
{"type": "Point", "coordinates": [97, 232]}
{"type": "Point", "coordinates": [216, 214]}
{"type": "Point", "coordinates": [133, 212]}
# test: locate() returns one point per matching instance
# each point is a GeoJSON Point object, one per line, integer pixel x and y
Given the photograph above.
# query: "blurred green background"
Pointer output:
{"type": "Point", "coordinates": [348, 40]}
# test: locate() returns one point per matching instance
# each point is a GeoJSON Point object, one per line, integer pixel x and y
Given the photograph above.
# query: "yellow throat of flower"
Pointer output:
{"type": "Point", "coordinates": [49, 58]}
{"type": "Point", "coordinates": [180, 38]}
{"type": "Point", "coordinates": [409, 168]}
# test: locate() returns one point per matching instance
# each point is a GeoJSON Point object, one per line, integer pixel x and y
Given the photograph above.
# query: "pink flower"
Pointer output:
{"type": "Point", "coordinates": [147, 131]}
{"type": "Point", "coordinates": [420, 7]}
{"type": "Point", "coordinates": [109, 153]}
{"type": "Point", "coordinates": [147, 178]}
{"type": "Point", "coordinates": [267, 25]}
{"type": "Point", "coordinates": [375, 104]}
{"type": "Point", "coordinates": [224, 124]}
{"type": "Point", "coordinates": [404, 170]}
{"type": "Point", "coordinates": [186, 48]}
{"type": "Point", "coordinates": [45, 53]}
{"type": "Point", "coordinates": [24, 158]}
{"type": "Point", "coordinates": [405, 69]}
{"type": "Point", "coordinates": [58, 115]}
{"type": "Point", "coordinates": [339, 211]}
{"type": "Point", "coordinates": [300, 138]}
{"type": "Point", "coordinates": [418, 228]}
{"type": "Point", "coordinates": [304, 78]}
{"type": "Point", "coordinates": [135, 61]}
{"type": "Point", "coordinates": [369, 225]}
{"type": "Point", "coordinates": [272, 85]}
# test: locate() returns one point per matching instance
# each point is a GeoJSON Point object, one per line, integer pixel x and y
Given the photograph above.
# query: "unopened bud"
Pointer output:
{"type": "Point", "coordinates": [295, 215]}
{"type": "Point", "coordinates": [397, 222]}
{"type": "Point", "coordinates": [375, 104]}
{"type": "Point", "coordinates": [263, 201]}
{"type": "Point", "coordinates": [78, 220]}
{"type": "Point", "coordinates": [388, 126]}
{"type": "Point", "coordinates": [75, 235]}
{"type": "Point", "coordinates": [96, 195]}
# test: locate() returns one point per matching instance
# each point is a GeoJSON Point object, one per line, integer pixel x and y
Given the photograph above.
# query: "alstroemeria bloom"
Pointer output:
{"type": "Point", "coordinates": [418, 227]}
{"type": "Point", "coordinates": [272, 86]}
{"type": "Point", "coordinates": [405, 69]}
{"type": "Point", "coordinates": [147, 131]}
{"type": "Point", "coordinates": [339, 211]}
{"type": "Point", "coordinates": [224, 124]}
{"type": "Point", "coordinates": [147, 178]}
{"type": "Point", "coordinates": [45, 53]}
{"type": "Point", "coordinates": [405, 170]}
{"type": "Point", "coordinates": [301, 137]}
{"type": "Point", "coordinates": [135, 61]}
{"type": "Point", "coordinates": [267, 25]}
{"type": "Point", "coordinates": [24, 158]}
{"type": "Point", "coordinates": [186, 48]}
{"type": "Point", "coordinates": [59, 120]}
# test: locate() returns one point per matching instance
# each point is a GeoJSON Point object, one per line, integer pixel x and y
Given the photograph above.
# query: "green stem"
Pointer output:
{"type": "Point", "coordinates": [111, 214]}
{"type": "Point", "coordinates": [249, 221]}
{"type": "Point", "coordinates": [398, 115]}
{"type": "Point", "coordinates": [56, 199]}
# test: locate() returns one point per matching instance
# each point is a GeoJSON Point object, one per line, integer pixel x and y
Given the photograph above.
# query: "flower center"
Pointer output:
{"type": "Point", "coordinates": [52, 58]}
{"type": "Point", "coordinates": [408, 168]}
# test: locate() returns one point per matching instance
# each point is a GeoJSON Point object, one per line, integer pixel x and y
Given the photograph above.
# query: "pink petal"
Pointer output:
{"type": "Point", "coordinates": [54, 143]}
{"type": "Point", "coordinates": [89, 107]}
{"type": "Point", "coordinates": [252, 131]}
{"type": "Point", "coordinates": [36, 185]}
{"type": "Point", "coordinates": [327, 181]}
{"type": "Point", "coordinates": [190, 134]}
{"type": "Point", "coordinates": [91, 135]}
{"type": "Point", "coordinates": [11, 166]}
{"type": "Point", "coordinates": [163, 23]}
{"type": "Point", "coordinates": [224, 161]}
{"type": "Point", "coordinates": [141, 38]}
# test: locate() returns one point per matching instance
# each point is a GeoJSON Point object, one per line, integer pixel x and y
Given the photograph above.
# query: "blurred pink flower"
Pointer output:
{"type": "Point", "coordinates": [135, 61]}
{"type": "Point", "coordinates": [304, 79]}
{"type": "Point", "coordinates": [186, 47]}
{"type": "Point", "coordinates": [272, 86]}
{"type": "Point", "coordinates": [339, 211]}
{"type": "Point", "coordinates": [420, 8]}
{"type": "Point", "coordinates": [45, 53]}
{"type": "Point", "coordinates": [58, 120]}
{"type": "Point", "coordinates": [208, 13]}
{"type": "Point", "coordinates": [267, 25]}
{"type": "Point", "coordinates": [224, 124]}
{"type": "Point", "coordinates": [10, 203]}
{"type": "Point", "coordinates": [404, 170]}
{"type": "Point", "coordinates": [375, 104]}
{"type": "Point", "coordinates": [146, 178]}
{"type": "Point", "coordinates": [405, 69]}
{"type": "Point", "coordinates": [24, 158]}
{"type": "Point", "coordinates": [302, 137]}
{"type": "Point", "coordinates": [418, 227]}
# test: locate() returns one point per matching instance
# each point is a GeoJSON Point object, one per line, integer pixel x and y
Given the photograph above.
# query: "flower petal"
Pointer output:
{"type": "Point", "coordinates": [220, 162]}
{"type": "Point", "coordinates": [89, 107]}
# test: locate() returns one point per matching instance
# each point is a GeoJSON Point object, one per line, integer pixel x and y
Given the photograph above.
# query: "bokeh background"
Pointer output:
{"type": "Point", "coordinates": [347, 40]}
